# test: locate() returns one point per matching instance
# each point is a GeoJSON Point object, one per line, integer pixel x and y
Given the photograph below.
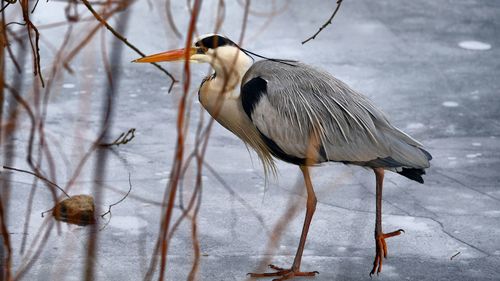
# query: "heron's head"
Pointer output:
{"type": "Point", "coordinates": [217, 50]}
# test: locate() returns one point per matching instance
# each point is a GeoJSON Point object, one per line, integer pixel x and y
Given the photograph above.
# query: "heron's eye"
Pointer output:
{"type": "Point", "coordinates": [201, 50]}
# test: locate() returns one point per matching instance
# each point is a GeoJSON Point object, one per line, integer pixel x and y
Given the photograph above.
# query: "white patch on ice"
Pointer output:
{"type": "Point", "coordinates": [133, 95]}
{"type": "Point", "coordinates": [452, 158]}
{"type": "Point", "coordinates": [408, 223]}
{"type": "Point", "coordinates": [341, 249]}
{"type": "Point", "coordinates": [68, 86]}
{"type": "Point", "coordinates": [450, 104]}
{"type": "Point", "coordinates": [476, 144]}
{"type": "Point", "coordinates": [128, 223]}
{"type": "Point", "coordinates": [473, 155]}
{"type": "Point", "coordinates": [164, 88]}
{"type": "Point", "coordinates": [415, 126]}
{"type": "Point", "coordinates": [474, 45]}
{"type": "Point", "coordinates": [492, 213]}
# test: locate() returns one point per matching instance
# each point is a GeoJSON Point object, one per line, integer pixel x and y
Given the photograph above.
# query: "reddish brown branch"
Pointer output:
{"type": "Point", "coordinates": [7, 264]}
{"type": "Point", "coordinates": [179, 155]}
{"type": "Point", "coordinates": [37, 69]}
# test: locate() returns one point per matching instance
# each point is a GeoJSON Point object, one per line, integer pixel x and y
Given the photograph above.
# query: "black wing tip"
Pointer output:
{"type": "Point", "coordinates": [413, 174]}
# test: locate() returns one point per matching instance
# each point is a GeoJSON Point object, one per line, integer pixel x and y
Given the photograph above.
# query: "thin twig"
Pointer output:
{"type": "Point", "coordinates": [5, 6]}
{"type": "Point", "coordinates": [124, 40]}
{"type": "Point", "coordinates": [329, 21]}
{"type": "Point", "coordinates": [458, 253]}
{"type": "Point", "coordinates": [38, 176]}
{"type": "Point", "coordinates": [123, 138]}
{"type": "Point", "coordinates": [119, 201]}
{"type": "Point", "coordinates": [47, 211]}
{"type": "Point", "coordinates": [34, 7]}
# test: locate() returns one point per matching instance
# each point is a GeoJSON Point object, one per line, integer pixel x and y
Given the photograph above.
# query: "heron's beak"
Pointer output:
{"type": "Point", "coordinates": [173, 55]}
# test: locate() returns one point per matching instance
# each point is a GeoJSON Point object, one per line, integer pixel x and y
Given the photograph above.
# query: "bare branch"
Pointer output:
{"type": "Point", "coordinates": [38, 176]}
{"type": "Point", "coordinates": [119, 201]}
{"type": "Point", "coordinates": [124, 40]}
{"type": "Point", "coordinates": [123, 138]}
{"type": "Point", "coordinates": [329, 21]}
{"type": "Point", "coordinates": [452, 257]}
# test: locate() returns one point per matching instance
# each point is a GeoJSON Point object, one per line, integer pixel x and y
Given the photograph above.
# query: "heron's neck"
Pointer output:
{"type": "Point", "coordinates": [229, 73]}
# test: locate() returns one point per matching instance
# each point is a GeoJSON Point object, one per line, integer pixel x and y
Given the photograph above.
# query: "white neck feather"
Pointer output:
{"type": "Point", "coordinates": [230, 64]}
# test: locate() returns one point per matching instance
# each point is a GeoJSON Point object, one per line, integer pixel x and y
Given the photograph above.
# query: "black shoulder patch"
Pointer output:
{"type": "Point", "coordinates": [214, 41]}
{"type": "Point", "coordinates": [251, 93]}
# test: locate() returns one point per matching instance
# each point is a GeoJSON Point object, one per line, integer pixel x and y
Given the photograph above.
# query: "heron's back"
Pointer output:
{"type": "Point", "coordinates": [290, 101]}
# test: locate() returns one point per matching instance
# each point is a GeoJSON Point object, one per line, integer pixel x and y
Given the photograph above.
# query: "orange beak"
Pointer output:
{"type": "Point", "coordinates": [173, 55]}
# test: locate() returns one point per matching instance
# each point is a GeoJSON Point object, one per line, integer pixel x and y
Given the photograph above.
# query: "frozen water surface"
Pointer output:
{"type": "Point", "coordinates": [134, 225]}
{"type": "Point", "coordinates": [401, 54]}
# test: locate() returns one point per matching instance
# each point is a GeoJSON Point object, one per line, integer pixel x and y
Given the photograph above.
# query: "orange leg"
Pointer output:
{"type": "Point", "coordinates": [380, 244]}
{"type": "Point", "coordinates": [294, 271]}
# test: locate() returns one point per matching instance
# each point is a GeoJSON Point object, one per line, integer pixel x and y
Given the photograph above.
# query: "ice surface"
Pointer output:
{"type": "Point", "coordinates": [401, 54]}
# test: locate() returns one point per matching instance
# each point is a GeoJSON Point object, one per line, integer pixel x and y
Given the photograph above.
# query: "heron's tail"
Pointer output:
{"type": "Point", "coordinates": [416, 173]}
{"type": "Point", "coordinates": [413, 174]}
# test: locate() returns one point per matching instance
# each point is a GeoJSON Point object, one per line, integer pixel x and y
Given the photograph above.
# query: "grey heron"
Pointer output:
{"type": "Point", "coordinates": [302, 115]}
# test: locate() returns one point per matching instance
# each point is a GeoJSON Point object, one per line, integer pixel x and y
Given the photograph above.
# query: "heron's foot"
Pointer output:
{"type": "Point", "coordinates": [284, 273]}
{"type": "Point", "coordinates": [381, 250]}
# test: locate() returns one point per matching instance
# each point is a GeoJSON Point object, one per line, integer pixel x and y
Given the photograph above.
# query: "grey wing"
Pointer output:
{"type": "Point", "coordinates": [288, 101]}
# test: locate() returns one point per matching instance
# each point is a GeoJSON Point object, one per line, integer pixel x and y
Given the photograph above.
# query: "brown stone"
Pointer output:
{"type": "Point", "coordinates": [78, 209]}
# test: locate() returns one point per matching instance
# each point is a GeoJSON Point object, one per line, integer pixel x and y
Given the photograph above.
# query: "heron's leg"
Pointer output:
{"type": "Point", "coordinates": [380, 245]}
{"type": "Point", "coordinates": [294, 271]}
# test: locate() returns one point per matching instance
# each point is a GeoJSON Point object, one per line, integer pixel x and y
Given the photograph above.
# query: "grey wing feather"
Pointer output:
{"type": "Point", "coordinates": [299, 98]}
